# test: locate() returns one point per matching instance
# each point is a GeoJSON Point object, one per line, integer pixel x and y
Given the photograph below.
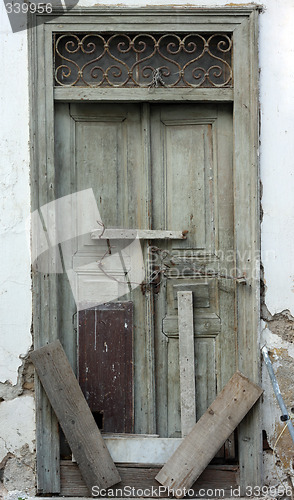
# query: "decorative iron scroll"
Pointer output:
{"type": "Point", "coordinates": [142, 60]}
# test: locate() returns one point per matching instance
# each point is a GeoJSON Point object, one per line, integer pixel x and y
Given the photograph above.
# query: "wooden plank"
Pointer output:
{"type": "Point", "coordinates": [105, 357]}
{"type": "Point", "coordinates": [76, 94]}
{"type": "Point", "coordinates": [74, 416]}
{"type": "Point", "coordinates": [207, 325]}
{"type": "Point", "coordinates": [209, 434]}
{"type": "Point", "coordinates": [142, 476]}
{"type": "Point", "coordinates": [187, 361]}
{"type": "Point", "coordinates": [200, 292]}
{"type": "Point", "coordinates": [130, 234]}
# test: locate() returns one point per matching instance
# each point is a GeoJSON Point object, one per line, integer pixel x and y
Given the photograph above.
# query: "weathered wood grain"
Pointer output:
{"type": "Point", "coordinates": [209, 434]}
{"type": "Point", "coordinates": [45, 284]}
{"type": "Point", "coordinates": [206, 325]}
{"type": "Point", "coordinates": [200, 293]}
{"type": "Point", "coordinates": [74, 415]}
{"type": "Point", "coordinates": [140, 94]}
{"type": "Point", "coordinates": [149, 312]}
{"type": "Point", "coordinates": [247, 240]}
{"type": "Point", "coordinates": [187, 361]}
{"type": "Point", "coordinates": [214, 479]}
{"type": "Point", "coordinates": [130, 234]}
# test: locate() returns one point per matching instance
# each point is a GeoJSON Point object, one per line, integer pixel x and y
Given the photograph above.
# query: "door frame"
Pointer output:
{"type": "Point", "coordinates": [242, 22]}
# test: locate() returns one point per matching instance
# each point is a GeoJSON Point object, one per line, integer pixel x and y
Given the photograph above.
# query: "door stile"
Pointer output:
{"type": "Point", "coordinates": [45, 325]}
{"type": "Point", "coordinates": [247, 237]}
{"type": "Point", "coordinates": [149, 301]}
{"type": "Point", "coordinates": [65, 125]}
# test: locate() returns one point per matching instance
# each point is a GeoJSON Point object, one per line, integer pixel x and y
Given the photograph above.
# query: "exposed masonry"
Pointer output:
{"type": "Point", "coordinates": [281, 324]}
{"type": "Point", "coordinates": [18, 472]}
{"type": "Point", "coordinates": [280, 454]}
{"type": "Point", "coordinates": [25, 381]}
{"type": "Point", "coordinates": [18, 469]}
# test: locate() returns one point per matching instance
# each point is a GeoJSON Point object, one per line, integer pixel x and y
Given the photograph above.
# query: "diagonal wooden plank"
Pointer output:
{"type": "Point", "coordinates": [187, 361]}
{"type": "Point", "coordinates": [209, 434]}
{"type": "Point", "coordinates": [74, 415]}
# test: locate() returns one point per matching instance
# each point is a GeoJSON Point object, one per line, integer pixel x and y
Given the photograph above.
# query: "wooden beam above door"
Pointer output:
{"type": "Point", "coordinates": [76, 94]}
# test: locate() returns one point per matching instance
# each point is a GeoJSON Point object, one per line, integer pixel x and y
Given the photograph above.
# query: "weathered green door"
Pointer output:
{"type": "Point", "coordinates": [159, 167]}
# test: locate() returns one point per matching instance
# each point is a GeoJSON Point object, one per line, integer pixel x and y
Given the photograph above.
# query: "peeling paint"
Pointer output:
{"type": "Point", "coordinates": [25, 382]}
{"type": "Point", "coordinates": [19, 473]}
{"type": "Point", "coordinates": [284, 447]}
{"type": "Point", "coordinates": [282, 324]}
{"type": "Point", "coordinates": [277, 335]}
{"type": "Point", "coordinates": [17, 445]}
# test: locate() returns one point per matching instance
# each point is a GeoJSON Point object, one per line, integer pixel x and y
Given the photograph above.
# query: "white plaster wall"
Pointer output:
{"type": "Point", "coordinates": [19, 430]}
{"type": "Point", "coordinates": [277, 152]}
{"type": "Point", "coordinates": [17, 416]}
{"type": "Point", "coordinates": [15, 281]}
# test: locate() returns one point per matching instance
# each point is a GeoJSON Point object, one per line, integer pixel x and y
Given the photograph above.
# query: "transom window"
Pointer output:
{"type": "Point", "coordinates": [143, 60]}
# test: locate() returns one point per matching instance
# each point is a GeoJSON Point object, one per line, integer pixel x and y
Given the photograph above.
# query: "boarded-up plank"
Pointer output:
{"type": "Point", "coordinates": [130, 234]}
{"type": "Point", "coordinates": [200, 292]}
{"type": "Point", "coordinates": [106, 364]}
{"type": "Point", "coordinates": [74, 415]}
{"type": "Point", "coordinates": [187, 361]}
{"type": "Point", "coordinates": [209, 434]}
{"type": "Point", "coordinates": [218, 479]}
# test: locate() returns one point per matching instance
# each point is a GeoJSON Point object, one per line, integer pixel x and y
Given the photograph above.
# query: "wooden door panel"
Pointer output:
{"type": "Point", "coordinates": [160, 167]}
{"type": "Point", "coordinates": [184, 173]}
{"type": "Point", "coordinates": [105, 354]}
{"type": "Point", "coordinates": [205, 373]}
{"type": "Point", "coordinates": [193, 186]}
{"type": "Point", "coordinates": [108, 157]}
{"type": "Point", "coordinates": [103, 151]}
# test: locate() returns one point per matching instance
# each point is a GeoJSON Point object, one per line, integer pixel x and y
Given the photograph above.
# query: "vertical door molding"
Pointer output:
{"type": "Point", "coordinates": [242, 23]}
{"type": "Point", "coordinates": [44, 283]}
{"type": "Point", "coordinates": [247, 236]}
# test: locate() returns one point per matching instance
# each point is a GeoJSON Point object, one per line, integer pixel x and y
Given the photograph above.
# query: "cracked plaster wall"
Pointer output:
{"type": "Point", "coordinates": [17, 414]}
{"type": "Point", "coordinates": [277, 177]}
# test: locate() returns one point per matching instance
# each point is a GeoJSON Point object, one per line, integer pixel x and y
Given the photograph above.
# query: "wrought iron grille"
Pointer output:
{"type": "Point", "coordinates": [142, 60]}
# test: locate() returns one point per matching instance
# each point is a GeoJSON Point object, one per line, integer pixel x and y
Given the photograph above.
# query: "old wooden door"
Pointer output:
{"type": "Point", "coordinates": [159, 167]}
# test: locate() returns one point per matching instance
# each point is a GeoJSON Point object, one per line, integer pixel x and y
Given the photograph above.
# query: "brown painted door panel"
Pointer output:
{"type": "Point", "coordinates": [105, 364]}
